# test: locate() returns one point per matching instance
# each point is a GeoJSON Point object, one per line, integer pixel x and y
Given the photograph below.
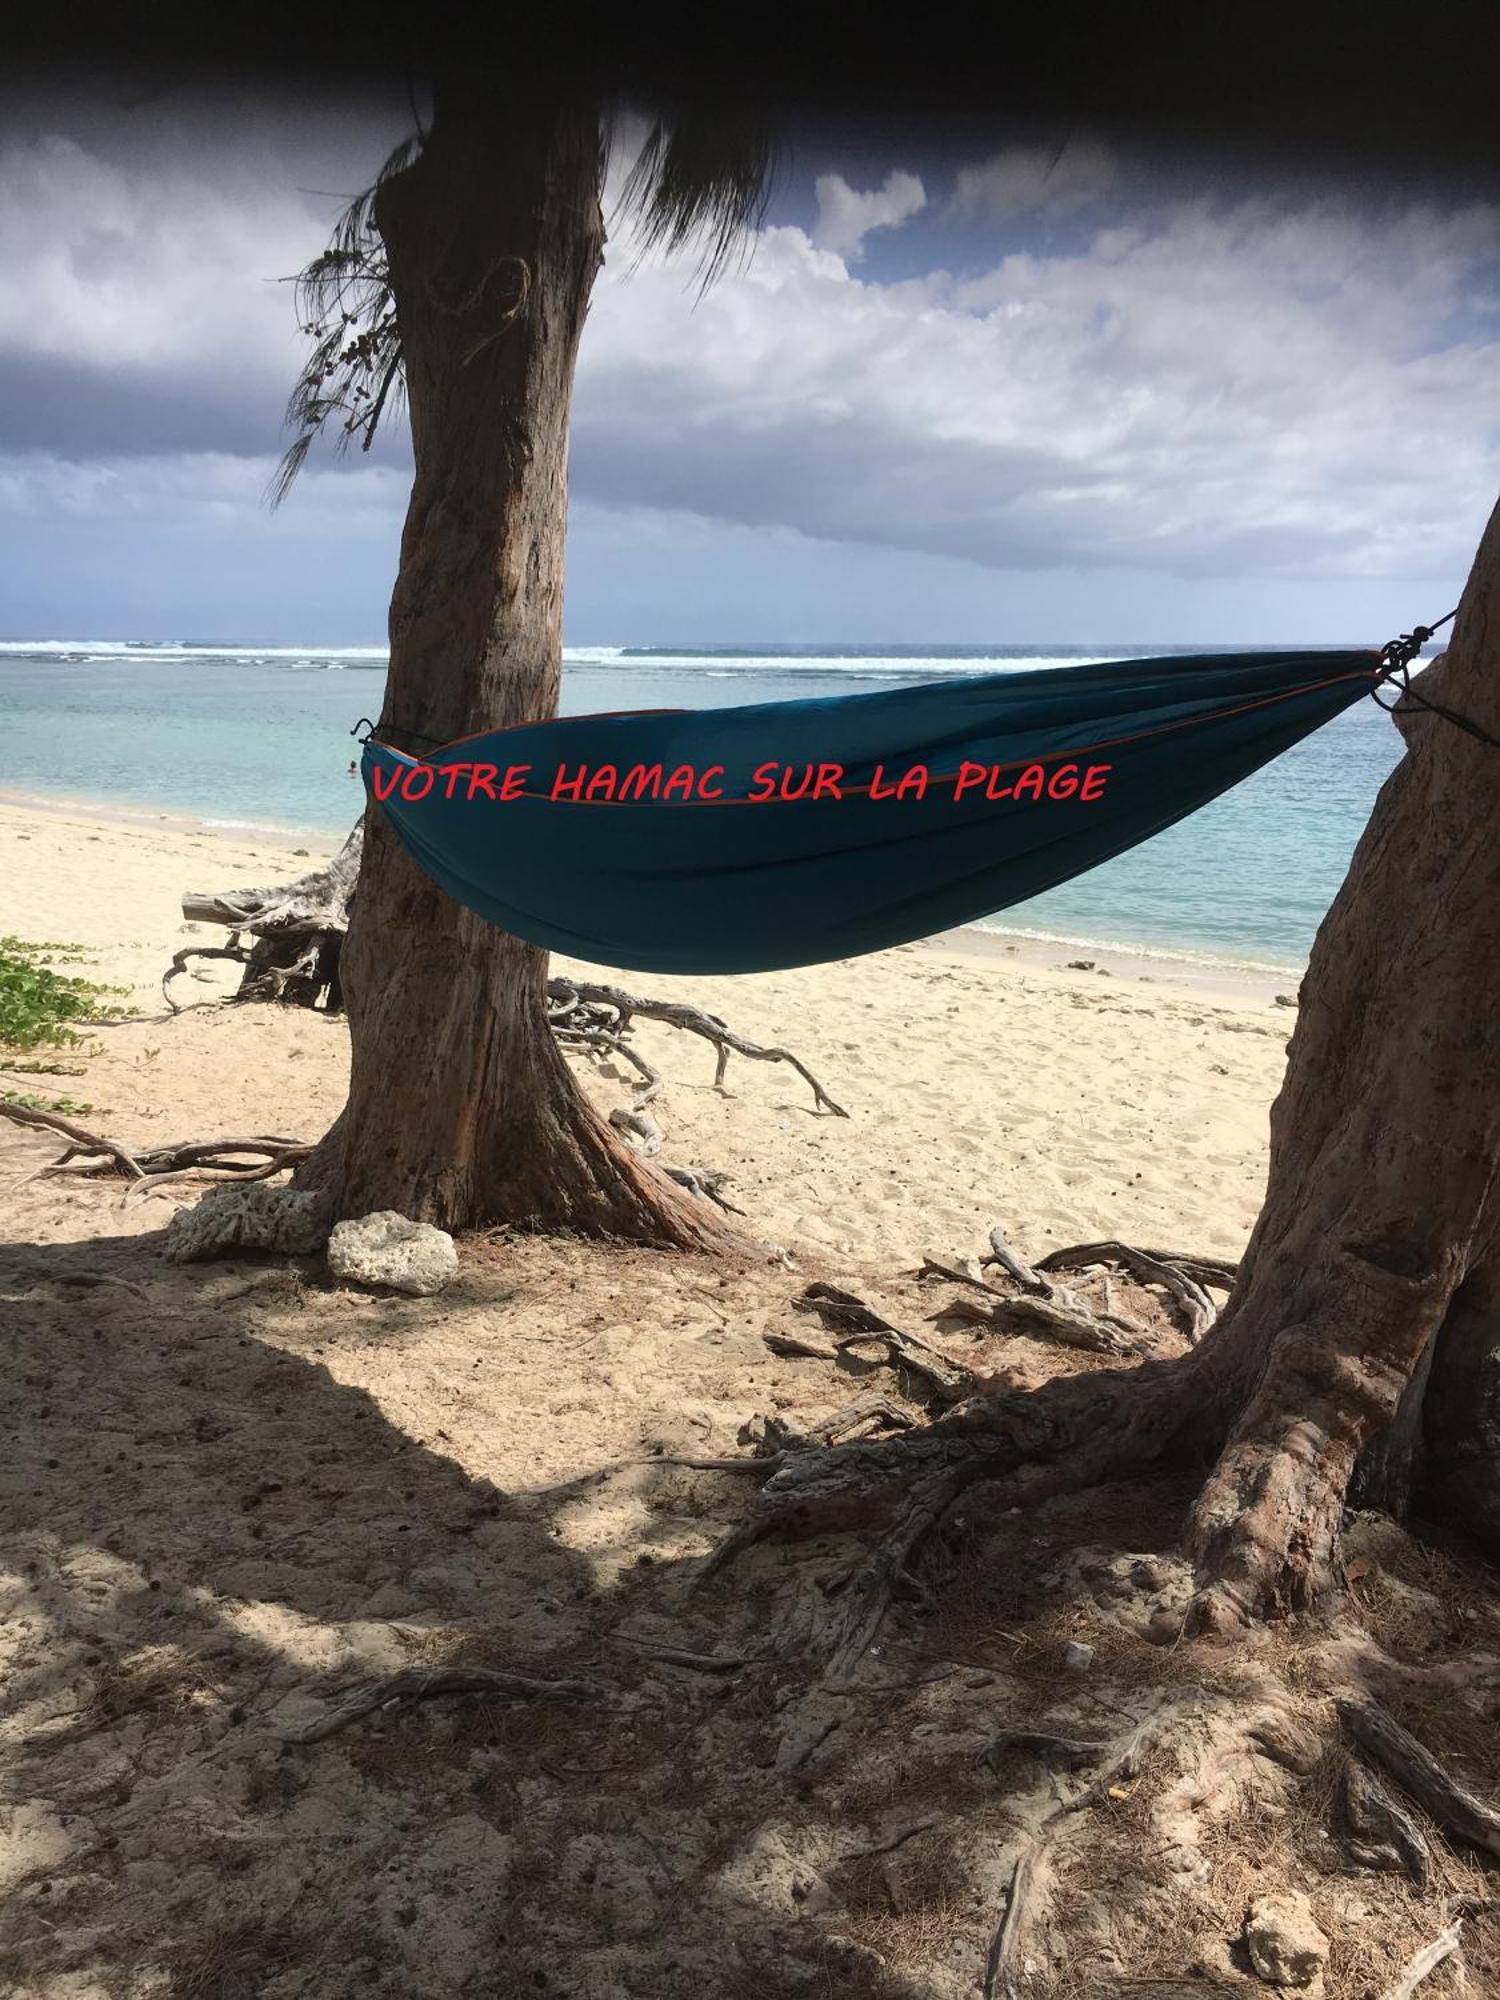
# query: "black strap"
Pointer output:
{"type": "Point", "coordinates": [393, 729]}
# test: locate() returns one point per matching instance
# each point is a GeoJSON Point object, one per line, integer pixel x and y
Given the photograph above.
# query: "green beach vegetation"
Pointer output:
{"type": "Point", "coordinates": [41, 1008]}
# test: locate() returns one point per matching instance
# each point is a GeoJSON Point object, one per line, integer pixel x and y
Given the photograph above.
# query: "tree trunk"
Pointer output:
{"type": "Point", "coordinates": [1376, 1256]}
{"type": "Point", "coordinates": [1378, 1234]}
{"type": "Point", "coordinates": [461, 1111]}
{"type": "Point", "coordinates": [1458, 1469]}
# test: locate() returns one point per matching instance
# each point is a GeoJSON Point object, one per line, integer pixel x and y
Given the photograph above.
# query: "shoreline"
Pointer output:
{"type": "Point", "coordinates": [1142, 964]}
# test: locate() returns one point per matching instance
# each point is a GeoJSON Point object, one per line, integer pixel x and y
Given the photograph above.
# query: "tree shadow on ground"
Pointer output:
{"type": "Point", "coordinates": [211, 1535]}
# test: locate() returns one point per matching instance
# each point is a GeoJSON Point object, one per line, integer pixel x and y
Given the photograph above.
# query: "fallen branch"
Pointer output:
{"type": "Point", "coordinates": [89, 1142]}
{"type": "Point", "coordinates": [948, 1379]}
{"type": "Point", "coordinates": [414, 1684]}
{"type": "Point", "coordinates": [298, 927]}
{"type": "Point", "coordinates": [1421, 1776]}
{"type": "Point", "coordinates": [706, 1183]}
{"type": "Point", "coordinates": [1065, 1315]}
{"type": "Point", "coordinates": [1183, 1279]}
{"type": "Point", "coordinates": [1218, 1271]}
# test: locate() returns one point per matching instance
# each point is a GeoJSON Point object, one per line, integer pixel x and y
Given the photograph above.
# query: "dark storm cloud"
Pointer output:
{"type": "Point", "coordinates": [1246, 386]}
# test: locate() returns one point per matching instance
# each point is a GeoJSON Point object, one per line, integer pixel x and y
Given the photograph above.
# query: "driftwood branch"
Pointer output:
{"type": "Point", "coordinates": [1038, 1303]}
{"type": "Point", "coordinates": [252, 1159]}
{"type": "Point", "coordinates": [1427, 1960]}
{"type": "Point", "coordinates": [1184, 1279]}
{"type": "Point", "coordinates": [319, 900]}
{"type": "Point", "coordinates": [577, 1004]}
{"type": "Point", "coordinates": [298, 928]}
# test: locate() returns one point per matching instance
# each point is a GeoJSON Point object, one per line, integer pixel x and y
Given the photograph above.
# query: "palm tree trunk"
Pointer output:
{"type": "Point", "coordinates": [461, 1110]}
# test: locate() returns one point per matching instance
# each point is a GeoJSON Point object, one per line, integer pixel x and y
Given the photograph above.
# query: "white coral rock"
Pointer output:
{"type": "Point", "coordinates": [1286, 1946]}
{"type": "Point", "coordinates": [387, 1249]}
{"type": "Point", "coordinates": [257, 1217]}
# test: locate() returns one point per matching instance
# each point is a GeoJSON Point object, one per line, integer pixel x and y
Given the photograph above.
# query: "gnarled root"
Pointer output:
{"type": "Point", "coordinates": [1264, 1530]}
{"type": "Point", "coordinates": [1072, 1433]}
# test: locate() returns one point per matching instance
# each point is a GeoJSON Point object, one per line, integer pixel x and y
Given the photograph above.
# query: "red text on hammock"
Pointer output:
{"type": "Point", "coordinates": [785, 784]}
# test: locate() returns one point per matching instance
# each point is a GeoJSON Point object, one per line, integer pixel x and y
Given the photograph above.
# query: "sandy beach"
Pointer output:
{"type": "Point", "coordinates": [984, 1083]}
{"type": "Point", "coordinates": [238, 1493]}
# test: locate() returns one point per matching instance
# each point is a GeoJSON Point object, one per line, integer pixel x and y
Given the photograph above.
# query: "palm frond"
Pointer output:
{"type": "Point", "coordinates": [703, 175]}
{"type": "Point", "coordinates": [346, 308]}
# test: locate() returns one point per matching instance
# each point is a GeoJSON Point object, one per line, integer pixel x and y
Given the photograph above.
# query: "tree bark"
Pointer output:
{"type": "Point", "coordinates": [1457, 1473]}
{"type": "Point", "coordinates": [1380, 1217]}
{"type": "Point", "coordinates": [1376, 1246]}
{"type": "Point", "coordinates": [461, 1111]}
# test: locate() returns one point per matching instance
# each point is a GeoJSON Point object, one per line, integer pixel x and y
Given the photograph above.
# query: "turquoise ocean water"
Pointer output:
{"type": "Point", "coordinates": [259, 737]}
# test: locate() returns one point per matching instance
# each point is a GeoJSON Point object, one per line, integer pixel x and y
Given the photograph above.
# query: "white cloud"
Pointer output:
{"type": "Point", "coordinates": [211, 489]}
{"type": "Point", "coordinates": [1024, 179]}
{"type": "Point", "coordinates": [108, 265]}
{"type": "Point", "coordinates": [1275, 386]}
{"type": "Point", "coordinates": [846, 216]}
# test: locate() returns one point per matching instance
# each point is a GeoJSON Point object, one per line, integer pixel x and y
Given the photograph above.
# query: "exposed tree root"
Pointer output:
{"type": "Point", "coordinates": [1457, 1811]}
{"type": "Point", "coordinates": [416, 1684]}
{"type": "Point", "coordinates": [864, 1596]}
{"type": "Point", "coordinates": [1057, 1753]}
{"type": "Point", "coordinates": [1072, 1433]}
{"type": "Point", "coordinates": [1027, 1892]}
{"type": "Point", "coordinates": [1379, 1832]}
{"type": "Point", "coordinates": [1264, 1529]}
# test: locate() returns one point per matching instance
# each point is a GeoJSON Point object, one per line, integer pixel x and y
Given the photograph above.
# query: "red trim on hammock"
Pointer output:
{"type": "Point", "coordinates": [860, 791]}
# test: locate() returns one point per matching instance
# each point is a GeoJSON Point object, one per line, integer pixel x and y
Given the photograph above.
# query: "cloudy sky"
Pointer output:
{"type": "Point", "coordinates": [1051, 391]}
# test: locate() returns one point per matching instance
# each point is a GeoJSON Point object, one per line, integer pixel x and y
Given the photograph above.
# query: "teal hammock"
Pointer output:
{"type": "Point", "coordinates": [794, 832]}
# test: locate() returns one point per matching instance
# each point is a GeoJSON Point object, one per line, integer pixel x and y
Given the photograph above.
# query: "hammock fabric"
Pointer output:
{"type": "Point", "coordinates": [1031, 778]}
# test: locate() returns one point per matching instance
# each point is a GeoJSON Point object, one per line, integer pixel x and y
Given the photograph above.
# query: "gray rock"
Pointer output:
{"type": "Point", "coordinates": [386, 1249]}
{"type": "Point", "coordinates": [1077, 1656]}
{"type": "Point", "coordinates": [257, 1217]}
{"type": "Point", "coordinates": [1285, 1944]}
